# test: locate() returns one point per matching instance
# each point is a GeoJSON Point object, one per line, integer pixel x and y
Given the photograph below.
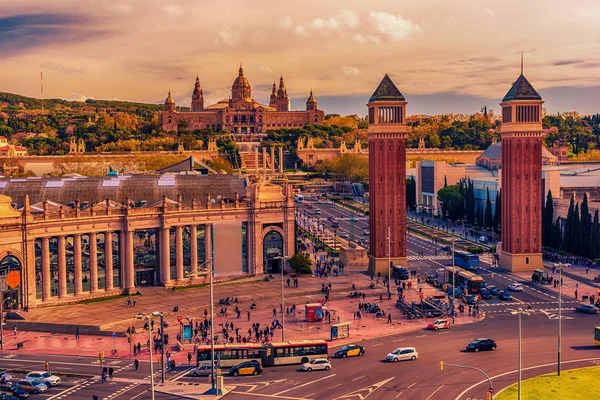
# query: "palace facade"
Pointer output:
{"type": "Point", "coordinates": [74, 238]}
{"type": "Point", "coordinates": [240, 114]}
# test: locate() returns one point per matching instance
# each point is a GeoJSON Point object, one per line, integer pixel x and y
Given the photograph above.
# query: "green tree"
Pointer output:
{"type": "Point", "coordinates": [489, 217]}
{"type": "Point", "coordinates": [547, 221]}
{"type": "Point", "coordinates": [498, 211]}
{"type": "Point", "coordinates": [585, 228]}
{"type": "Point", "coordinates": [595, 246]}
{"type": "Point", "coordinates": [301, 263]}
{"type": "Point", "coordinates": [452, 202]}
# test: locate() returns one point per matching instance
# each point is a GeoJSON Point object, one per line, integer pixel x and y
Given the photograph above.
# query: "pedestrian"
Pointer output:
{"type": "Point", "coordinates": [134, 302]}
{"type": "Point", "coordinates": [248, 315]}
{"type": "Point", "coordinates": [575, 294]}
{"type": "Point", "coordinates": [15, 331]}
{"type": "Point", "coordinates": [103, 377]}
{"type": "Point", "coordinates": [380, 298]}
{"type": "Point", "coordinates": [136, 364]}
{"type": "Point", "coordinates": [189, 357]}
{"type": "Point", "coordinates": [389, 319]}
{"type": "Point", "coordinates": [111, 372]}
{"type": "Point", "coordinates": [76, 333]}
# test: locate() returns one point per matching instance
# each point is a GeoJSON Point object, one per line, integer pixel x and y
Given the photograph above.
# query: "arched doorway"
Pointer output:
{"type": "Point", "coordinates": [272, 252]}
{"type": "Point", "coordinates": [9, 264]}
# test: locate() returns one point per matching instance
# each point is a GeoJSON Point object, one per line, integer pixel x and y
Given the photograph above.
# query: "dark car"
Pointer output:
{"type": "Point", "coordinates": [349, 351]}
{"type": "Point", "coordinates": [445, 248]}
{"type": "Point", "coordinates": [6, 396]}
{"type": "Point", "coordinates": [485, 294]}
{"type": "Point", "coordinates": [506, 296]}
{"type": "Point", "coordinates": [246, 368]}
{"type": "Point", "coordinates": [430, 278]}
{"type": "Point", "coordinates": [494, 290]}
{"type": "Point", "coordinates": [15, 391]}
{"type": "Point", "coordinates": [587, 308]}
{"type": "Point", "coordinates": [481, 345]}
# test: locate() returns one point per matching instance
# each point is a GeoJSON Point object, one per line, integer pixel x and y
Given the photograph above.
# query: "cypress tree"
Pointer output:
{"type": "Point", "coordinates": [585, 228]}
{"type": "Point", "coordinates": [568, 232]}
{"type": "Point", "coordinates": [557, 235]}
{"type": "Point", "coordinates": [445, 181]}
{"type": "Point", "coordinates": [489, 218]}
{"type": "Point", "coordinates": [547, 221]}
{"type": "Point", "coordinates": [595, 244]}
{"type": "Point", "coordinates": [576, 239]}
{"type": "Point", "coordinates": [498, 211]}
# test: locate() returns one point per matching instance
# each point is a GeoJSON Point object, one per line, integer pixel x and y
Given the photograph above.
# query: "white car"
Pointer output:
{"type": "Point", "coordinates": [317, 364]}
{"type": "Point", "coordinates": [344, 235]}
{"type": "Point", "coordinates": [32, 386]}
{"type": "Point", "coordinates": [45, 377]}
{"type": "Point", "coordinates": [366, 232]}
{"type": "Point", "coordinates": [402, 353]}
{"type": "Point", "coordinates": [515, 287]}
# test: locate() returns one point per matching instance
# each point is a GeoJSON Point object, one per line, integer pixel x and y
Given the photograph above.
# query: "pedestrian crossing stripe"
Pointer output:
{"type": "Point", "coordinates": [541, 310]}
{"type": "Point", "coordinates": [531, 303]}
{"type": "Point", "coordinates": [438, 257]}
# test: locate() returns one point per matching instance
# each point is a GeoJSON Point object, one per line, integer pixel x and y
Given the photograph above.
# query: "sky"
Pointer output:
{"type": "Point", "coordinates": [444, 55]}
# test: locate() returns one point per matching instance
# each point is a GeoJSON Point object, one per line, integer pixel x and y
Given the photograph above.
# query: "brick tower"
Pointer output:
{"type": "Point", "coordinates": [387, 176]}
{"type": "Point", "coordinates": [522, 197]}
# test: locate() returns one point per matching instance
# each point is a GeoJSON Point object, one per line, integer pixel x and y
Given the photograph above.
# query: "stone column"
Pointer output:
{"type": "Point", "coordinates": [256, 166]}
{"type": "Point", "coordinates": [194, 250]}
{"type": "Point", "coordinates": [208, 242]}
{"type": "Point", "coordinates": [179, 252]}
{"type": "Point", "coordinates": [108, 261]}
{"type": "Point", "coordinates": [128, 267]}
{"type": "Point", "coordinates": [62, 267]}
{"type": "Point", "coordinates": [272, 158]}
{"type": "Point", "coordinates": [46, 276]}
{"type": "Point", "coordinates": [264, 160]}
{"type": "Point", "coordinates": [77, 263]}
{"type": "Point", "coordinates": [281, 160]}
{"type": "Point", "coordinates": [93, 248]}
{"type": "Point", "coordinates": [165, 257]}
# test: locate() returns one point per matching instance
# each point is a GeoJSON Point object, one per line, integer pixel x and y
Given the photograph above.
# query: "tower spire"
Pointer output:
{"type": "Point", "coordinates": [521, 62]}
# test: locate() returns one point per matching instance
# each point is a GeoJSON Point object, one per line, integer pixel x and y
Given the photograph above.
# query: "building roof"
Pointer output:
{"type": "Point", "coordinates": [146, 187]}
{"type": "Point", "coordinates": [495, 151]}
{"type": "Point", "coordinates": [386, 91]}
{"type": "Point", "coordinates": [190, 164]}
{"type": "Point", "coordinates": [522, 90]}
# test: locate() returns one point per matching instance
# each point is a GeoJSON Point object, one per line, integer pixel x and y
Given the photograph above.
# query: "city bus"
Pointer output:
{"type": "Point", "coordinates": [466, 260]}
{"type": "Point", "coordinates": [298, 198]}
{"type": "Point", "coordinates": [597, 335]}
{"type": "Point", "coordinates": [473, 282]}
{"type": "Point", "coordinates": [268, 354]}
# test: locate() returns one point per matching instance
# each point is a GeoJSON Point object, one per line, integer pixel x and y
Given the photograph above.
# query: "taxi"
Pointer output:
{"type": "Point", "coordinates": [350, 350]}
{"type": "Point", "coordinates": [246, 368]}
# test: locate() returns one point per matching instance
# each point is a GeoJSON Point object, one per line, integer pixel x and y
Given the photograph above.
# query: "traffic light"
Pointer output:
{"type": "Point", "coordinates": [268, 352]}
{"type": "Point", "coordinates": [101, 355]}
{"type": "Point", "coordinates": [441, 365]}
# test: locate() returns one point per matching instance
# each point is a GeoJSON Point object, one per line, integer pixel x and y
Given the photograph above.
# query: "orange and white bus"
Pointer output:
{"type": "Point", "coordinates": [268, 354]}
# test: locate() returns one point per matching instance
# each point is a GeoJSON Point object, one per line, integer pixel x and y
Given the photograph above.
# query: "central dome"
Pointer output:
{"type": "Point", "coordinates": [241, 88]}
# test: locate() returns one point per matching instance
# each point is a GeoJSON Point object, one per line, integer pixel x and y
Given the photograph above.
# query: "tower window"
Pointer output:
{"type": "Point", "coordinates": [507, 114]}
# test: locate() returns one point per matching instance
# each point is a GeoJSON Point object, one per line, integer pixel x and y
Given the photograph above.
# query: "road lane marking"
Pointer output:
{"type": "Point", "coordinates": [334, 386]}
{"type": "Point", "coordinates": [399, 394]}
{"type": "Point", "coordinates": [434, 392]}
{"type": "Point", "coordinates": [65, 368]}
{"type": "Point", "coordinates": [274, 396]}
{"type": "Point", "coordinates": [368, 389]}
{"type": "Point", "coordinates": [307, 396]}
{"type": "Point", "coordinates": [412, 385]}
{"type": "Point", "coordinates": [398, 340]}
{"type": "Point", "coordinates": [181, 374]}
{"type": "Point", "coordinates": [305, 384]}
{"type": "Point", "coordinates": [360, 377]}
{"type": "Point", "coordinates": [420, 336]}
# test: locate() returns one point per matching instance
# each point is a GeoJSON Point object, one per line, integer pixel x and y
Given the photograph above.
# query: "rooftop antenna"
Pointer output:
{"type": "Point", "coordinates": [521, 62]}
{"type": "Point", "coordinates": [42, 89]}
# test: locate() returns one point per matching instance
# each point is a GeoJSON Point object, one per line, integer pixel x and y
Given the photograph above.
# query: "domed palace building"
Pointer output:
{"type": "Point", "coordinates": [240, 114]}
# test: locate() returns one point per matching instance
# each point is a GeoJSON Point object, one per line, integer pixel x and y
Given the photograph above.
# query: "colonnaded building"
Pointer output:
{"type": "Point", "coordinates": [79, 237]}
{"type": "Point", "coordinates": [240, 114]}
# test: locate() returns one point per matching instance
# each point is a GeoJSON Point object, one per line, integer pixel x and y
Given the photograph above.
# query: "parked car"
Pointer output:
{"type": "Point", "coordinates": [246, 368]}
{"type": "Point", "coordinates": [515, 287]}
{"type": "Point", "coordinates": [485, 294]}
{"type": "Point", "coordinates": [482, 344]}
{"type": "Point", "coordinates": [202, 370]}
{"type": "Point", "coordinates": [587, 308]}
{"type": "Point", "coordinates": [494, 290]}
{"type": "Point", "coordinates": [44, 377]}
{"type": "Point", "coordinates": [330, 218]}
{"type": "Point", "coordinates": [505, 296]}
{"type": "Point", "coordinates": [32, 386]}
{"type": "Point", "coordinates": [402, 353]}
{"type": "Point", "coordinates": [439, 324]}
{"type": "Point", "coordinates": [344, 235]}
{"type": "Point", "coordinates": [7, 396]}
{"type": "Point", "coordinates": [317, 364]}
{"type": "Point", "coordinates": [483, 239]}
{"type": "Point", "coordinates": [5, 377]}
{"type": "Point", "coordinates": [366, 232]}
{"type": "Point", "coordinates": [317, 211]}
{"type": "Point", "coordinates": [445, 248]}
{"type": "Point", "coordinates": [15, 390]}
{"type": "Point", "coordinates": [349, 350]}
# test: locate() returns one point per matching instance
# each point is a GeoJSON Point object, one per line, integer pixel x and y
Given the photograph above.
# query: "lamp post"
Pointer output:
{"type": "Point", "coordinates": [560, 268]}
{"type": "Point", "coordinates": [389, 238]}
{"type": "Point", "coordinates": [148, 317]}
{"type": "Point", "coordinates": [453, 283]}
{"type": "Point", "coordinates": [162, 343]}
{"type": "Point", "coordinates": [519, 312]}
{"type": "Point", "coordinates": [282, 258]}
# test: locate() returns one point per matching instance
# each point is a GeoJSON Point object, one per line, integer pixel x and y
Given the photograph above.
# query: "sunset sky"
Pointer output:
{"type": "Point", "coordinates": [444, 55]}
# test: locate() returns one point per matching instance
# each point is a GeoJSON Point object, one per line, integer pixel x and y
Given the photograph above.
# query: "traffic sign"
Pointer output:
{"type": "Point", "coordinates": [491, 390]}
{"type": "Point", "coordinates": [13, 279]}
{"type": "Point", "coordinates": [114, 335]}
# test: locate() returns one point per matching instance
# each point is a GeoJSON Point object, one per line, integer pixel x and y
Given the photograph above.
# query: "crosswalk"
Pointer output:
{"type": "Point", "coordinates": [430, 258]}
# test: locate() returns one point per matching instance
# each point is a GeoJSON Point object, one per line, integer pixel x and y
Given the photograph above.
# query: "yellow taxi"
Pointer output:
{"type": "Point", "coordinates": [349, 350]}
{"type": "Point", "coordinates": [246, 368]}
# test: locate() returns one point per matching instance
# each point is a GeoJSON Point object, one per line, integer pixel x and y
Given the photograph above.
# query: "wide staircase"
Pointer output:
{"type": "Point", "coordinates": [249, 161]}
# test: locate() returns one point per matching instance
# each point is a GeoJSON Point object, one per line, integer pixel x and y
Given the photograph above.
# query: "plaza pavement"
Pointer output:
{"type": "Point", "coordinates": [116, 315]}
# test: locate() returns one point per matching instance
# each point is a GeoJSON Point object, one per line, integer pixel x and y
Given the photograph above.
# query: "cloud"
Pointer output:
{"type": "Point", "coordinates": [566, 62]}
{"type": "Point", "coordinates": [265, 69]}
{"type": "Point", "coordinates": [23, 32]}
{"type": "Point", "coordinates": [78, 97]}
{"type": "Point", "coordinates": [61, 68]}
{"type": "Point", "coordinates": [121, 8]}
{"type": "Point", "coordinates": [394, 26]}
{"type": "Point", "coordinates": [490, 12]}
{"type": "Point", "coordinates": [348, 18]}
{"type": "Point", "coordinates": [340, 22]}
{"type": "Point", "coordinates": [174, 10]}
{"type": "Point", "coordinates": [227, 37]}
{"type": "Point", "coordinates": [350, 71]}
{"type": "Point", "coordinates": [287, 22]}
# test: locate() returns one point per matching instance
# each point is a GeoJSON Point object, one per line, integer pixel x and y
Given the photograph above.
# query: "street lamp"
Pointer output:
{"type": "Point", "coordinates": [149, 318]}
{"type": "Point", "coordinates": [453, 283]}
{"type": "Point", "coordinates": [560, 267]}
{"type": "Point", "coordinates": [282, 258]}
{"type": "Point", "coordinates": [389, 257]}
{"type": "Point", "coordinates": [519, 312]}
{"type": "Point", "coordinates": [162, 343]}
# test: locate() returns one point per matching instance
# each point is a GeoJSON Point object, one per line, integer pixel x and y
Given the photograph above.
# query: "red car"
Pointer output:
{"type": "Point", "coordinates": [439, 324]}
